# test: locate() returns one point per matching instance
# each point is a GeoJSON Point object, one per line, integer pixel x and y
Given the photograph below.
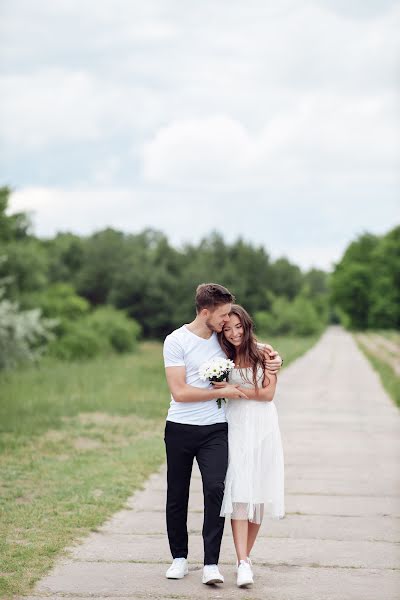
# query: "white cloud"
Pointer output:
{"type": "Point", "coordinates": [54, 106]}
{"type": "Point", "coordinates": [194, 149]}
{"type": "Point", "coordinates": [323, 136]}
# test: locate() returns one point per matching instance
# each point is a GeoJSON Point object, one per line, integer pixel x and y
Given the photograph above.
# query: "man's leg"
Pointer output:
{"type": "Point", "coordinates": [180, 454]}
{"type": "Point", "coordinates": [212, 457]}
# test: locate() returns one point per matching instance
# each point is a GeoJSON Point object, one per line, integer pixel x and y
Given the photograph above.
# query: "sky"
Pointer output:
{"type": "Point", "coordinates": [276, 122]}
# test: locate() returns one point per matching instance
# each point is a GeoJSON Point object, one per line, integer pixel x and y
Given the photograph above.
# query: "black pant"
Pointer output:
{"type": "Point", "coordinates": [209, 444]}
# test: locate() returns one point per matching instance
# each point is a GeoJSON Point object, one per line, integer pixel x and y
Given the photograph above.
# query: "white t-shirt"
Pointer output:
{"type": "Point", "coordinates": [182, 348]}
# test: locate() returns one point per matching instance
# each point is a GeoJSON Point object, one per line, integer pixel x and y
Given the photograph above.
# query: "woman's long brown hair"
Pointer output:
{"type": "Point", "coordinates": [250, 353]}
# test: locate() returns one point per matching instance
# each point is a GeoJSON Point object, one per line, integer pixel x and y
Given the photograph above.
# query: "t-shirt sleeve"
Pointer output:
{"type": "Point", "coordinates": [173, 352]}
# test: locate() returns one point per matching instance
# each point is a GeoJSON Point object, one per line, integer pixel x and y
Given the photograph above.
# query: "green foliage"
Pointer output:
{"type": "Point", "coordinates": [66, 257]}
{"type": "Point", "coordinates": [103, 254]}
{"type": "Point", "coordinates": [59, 301]}
{"type": "Point", "coordinates": [351, 291]}
{"type": "Point", "coordinates": [102, 331]}
{"type": "Point", "coordinates": [287, 279]}
{"type": "Point", "coordinates": [121, 332]}
{"type": "Point", "coordinates": [296, 317]}
{"type": "Point", "coordinates": [79, 341]}
{"type": "Point", "coordinates": [23, 334]}
{"type": "Point", "coordinates": [365, 285]}
{"type": "Point", "coordinates": [385, 293]}
{"type": "Point", "coordinates": [143, 275]}
{"type": "Point", "coordinates": [25, 267]}
{"type": "Point", "coordinates": [12, 227]}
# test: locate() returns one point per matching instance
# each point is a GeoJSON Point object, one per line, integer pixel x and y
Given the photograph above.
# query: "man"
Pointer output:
{"type": "Point", "coordinates": [197, 428]}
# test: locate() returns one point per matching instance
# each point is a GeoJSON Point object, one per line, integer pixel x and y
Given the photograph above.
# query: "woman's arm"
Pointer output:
{"type": "Point", "coordinates": [263, 394]}
{"type": "Point", "coordinates": [183, 392]}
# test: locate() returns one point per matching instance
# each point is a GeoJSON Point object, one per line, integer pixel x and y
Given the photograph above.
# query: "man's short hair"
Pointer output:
{"type": "Point", "coordinates": [211, 295]}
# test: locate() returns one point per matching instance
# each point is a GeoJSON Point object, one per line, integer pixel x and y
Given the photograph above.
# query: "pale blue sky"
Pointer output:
{"type": "Point", "coordinates": [277, 122]}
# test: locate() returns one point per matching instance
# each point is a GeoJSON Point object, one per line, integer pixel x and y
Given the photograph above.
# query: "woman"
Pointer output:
{"type": "Point", "coordinates": [255, 477]}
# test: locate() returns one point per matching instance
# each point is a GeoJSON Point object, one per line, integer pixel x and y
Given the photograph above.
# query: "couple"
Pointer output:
{"type": "Point", "coordinates": [197, 428]}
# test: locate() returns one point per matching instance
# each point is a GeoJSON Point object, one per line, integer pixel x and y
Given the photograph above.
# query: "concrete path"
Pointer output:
{"type": "Point", "coordinates": [340, 537]}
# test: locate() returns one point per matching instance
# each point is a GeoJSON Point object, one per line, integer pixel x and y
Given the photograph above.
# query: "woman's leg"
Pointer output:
{"type": "Point", "coordinates": [252, 533]}
{"type": "Point", "coordinates": [240, 535]}
{"type": "Point", "coordinates": [254, 528]}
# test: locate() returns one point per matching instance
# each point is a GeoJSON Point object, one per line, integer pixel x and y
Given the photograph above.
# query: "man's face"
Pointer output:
{"type": "Point", "coordinates": [217, 319]}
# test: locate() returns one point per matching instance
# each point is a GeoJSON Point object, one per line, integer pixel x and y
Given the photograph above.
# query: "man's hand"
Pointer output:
{"type": "Point", "coordinates": [273, 362]}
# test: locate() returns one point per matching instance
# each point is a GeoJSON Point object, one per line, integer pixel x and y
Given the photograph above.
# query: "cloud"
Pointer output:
{"type": "Point", "coordinates": [191, 150]}
{"type": "Point", "coordinates": [64, 106]}
{"type": "Point", "coordinates": [323, 136]}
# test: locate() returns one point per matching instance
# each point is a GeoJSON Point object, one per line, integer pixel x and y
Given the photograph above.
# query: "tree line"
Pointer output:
{"type": "Point", "coordinates": [365, 285]}
{"type": "Point", "coordinates": [77, 296]}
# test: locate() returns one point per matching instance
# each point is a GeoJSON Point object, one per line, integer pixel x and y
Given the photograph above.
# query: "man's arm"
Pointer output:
{"type": "Point", "coordinates": [183, 392]}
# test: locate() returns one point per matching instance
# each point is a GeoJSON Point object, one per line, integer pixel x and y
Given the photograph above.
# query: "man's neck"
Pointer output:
{"type": "Point", "coordinates": [198, 327]}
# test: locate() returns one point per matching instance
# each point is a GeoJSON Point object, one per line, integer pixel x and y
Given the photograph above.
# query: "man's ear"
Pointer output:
{"type": "Point", "coordinates": [204, 313]}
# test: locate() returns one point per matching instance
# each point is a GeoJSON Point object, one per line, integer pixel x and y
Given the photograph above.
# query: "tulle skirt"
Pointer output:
{"type": "Point", "coordinates": [254, 483]}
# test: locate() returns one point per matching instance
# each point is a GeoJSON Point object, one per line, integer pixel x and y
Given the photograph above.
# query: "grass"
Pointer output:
{"type": "Point", "coordinates": [390, 380]}
{"type": "Point", "coordinates": [76, 439]}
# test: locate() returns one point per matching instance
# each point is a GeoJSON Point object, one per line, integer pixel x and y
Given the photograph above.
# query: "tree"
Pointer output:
{"type": "Point", "coordinates": [286, 279]}
{"type": "Point", "coordinates": [365, 285]}
{"type": "Point", "coordinates": [384, 311]}
{"type": "Point", "coordinates": [15, 226]}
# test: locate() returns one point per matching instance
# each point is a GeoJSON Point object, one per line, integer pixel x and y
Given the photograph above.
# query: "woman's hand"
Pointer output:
{"type": "Point", "coordinates": [227, 390]}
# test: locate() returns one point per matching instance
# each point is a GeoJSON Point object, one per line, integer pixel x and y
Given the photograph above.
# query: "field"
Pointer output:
{"type": "Point", "coordinates": [75, 441]}
{"type": "Point", "coordinates": [382, 348]}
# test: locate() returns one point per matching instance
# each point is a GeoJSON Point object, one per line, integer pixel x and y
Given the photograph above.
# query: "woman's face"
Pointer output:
{"type": "Point", "coordinates": [233, 330]}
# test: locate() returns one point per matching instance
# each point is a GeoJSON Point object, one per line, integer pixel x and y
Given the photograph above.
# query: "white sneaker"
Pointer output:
{"type": "Point", "coordinates": [178, 569]}
{"type": "Point", "coordinates": [244, 575]}
{"type": "Point", "coordinates": [250, 563]}
{"type": "Point", "coordinates": [211, 574]}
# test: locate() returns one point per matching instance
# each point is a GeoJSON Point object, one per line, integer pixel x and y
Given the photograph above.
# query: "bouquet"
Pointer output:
{"type": "Point", "coordinates": [216, 370]}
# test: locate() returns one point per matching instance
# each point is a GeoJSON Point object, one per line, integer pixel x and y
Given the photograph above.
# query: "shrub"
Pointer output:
{"type": "Point", "coordinates": [23, 334]}
{"type": "Point", "coordinates": [79, 341]}
{"type": "Point", "coordinates": [296, 317]}
{"type": "Point", "coordinates": [59, 301]}
{"type": "Point", "coordinates": [104, 330]}
{"type": "Point", "coordinates": [121, 332]}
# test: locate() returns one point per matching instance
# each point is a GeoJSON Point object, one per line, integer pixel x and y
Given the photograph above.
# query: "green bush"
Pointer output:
{"type": "Point", "coordinates": [296, 317]}
{"type": "Point", "coordinates": [121, 332]}
{"type": "Point", "coordinates": [79, 341]}
{"type": "Point", "coordinates": [23, 334]}
{"type": "Point", "coordinates": [104, 330]}
{"type": "Point", "coordinates": [59, 301]}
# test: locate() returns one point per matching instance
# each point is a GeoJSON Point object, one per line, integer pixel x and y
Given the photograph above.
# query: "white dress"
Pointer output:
{"type": "Point", "coordinates": [254, 481]}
